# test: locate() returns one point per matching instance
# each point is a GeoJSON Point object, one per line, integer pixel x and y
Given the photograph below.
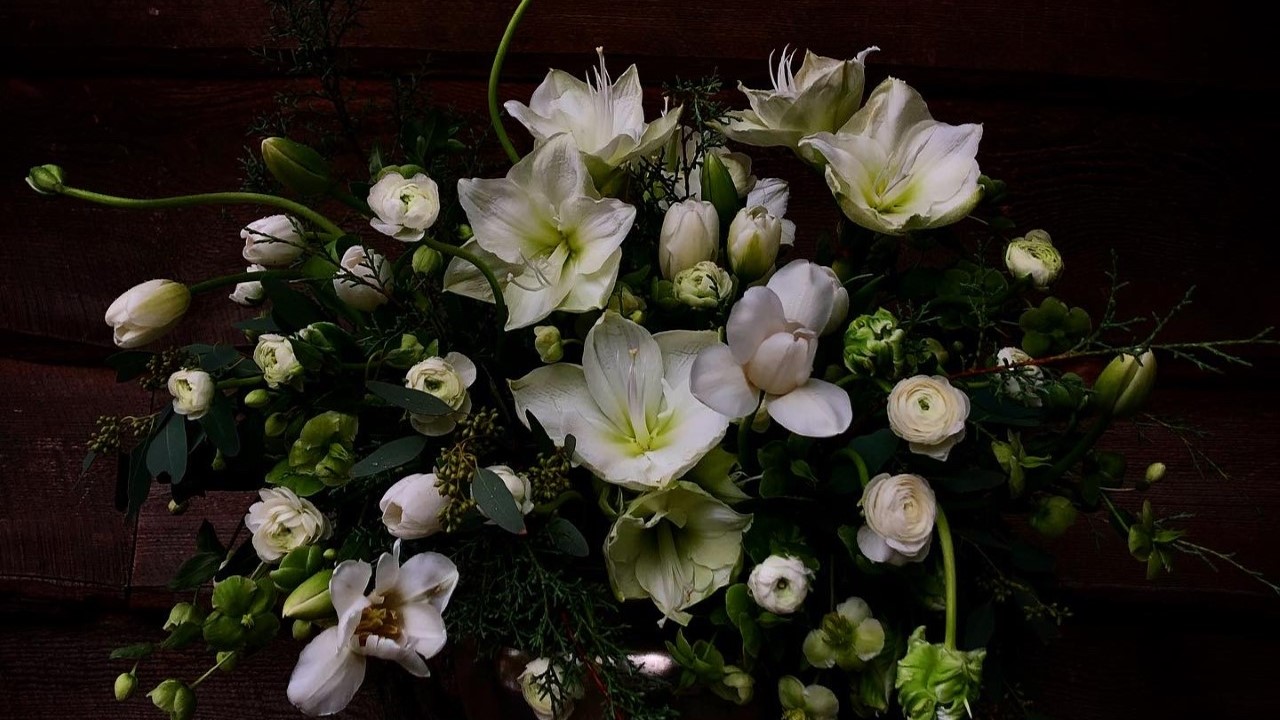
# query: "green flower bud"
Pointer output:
{"type": "Point", "coordinates": [1155, 471]}
{"type": "Point", "coordinates": [257, 398]}
{"type": "Point", "coordinates": [1054, 516]}
{"type": "Point", "coordinates": [311, 599]}
{"type": "Point", "coordinates": [183, 613]}
{"type": "Point", "coordinates": [227, 660]}
{"type": "Point", "coordinates": [1125, 384]}
{"type": "Point", "coordinates": [873, 346]}
{"type": "Point", "coordinates": [426, 261]}
{"type": "Point", "coordinates": [126, 683]}
{"type": "Point", "coordinates": [296, 566]}
{"type": "Point", "coordinates": [548, 343]}
{"type": "Point", "coordinates": [410, 353]}
{"type": "Point", "coordinates": [296, 166]}
{"type": "Point", "coordinates": [936, 681]}
{"type": "Point", "coordinates": [931, 346]}
{"type": "Point", "coordinates": [1067, 394]}
{"type": "Point", "coordinates": [302, 629]}
{"type": "Point", "coordinates": [327, 428]}
{"type": "Point", "coordinates": [275, 425]}
{"type": "Point", "coordinates": [813, 702]}
{"type": "Point", "coordinates": [663, 293]}
{"type": "Point", "coordinates": [705, 285]}
{"type": "Point", "coordinates": [174, 697]}
{"type": "Point", "coordinates": [465, 232]}
{"type": "Point", "coordinates": [335, 468]}
{"type": "Point", "coordinates": [184, 704]}
{"type": "Point", "coordinates": [735, 685]}
{"type": "Point", "coordinates": [45, 179]}
{"type": "Point", "coordinates": [718, 188]}
{"type": "Point", "coordinates": [627, 304]}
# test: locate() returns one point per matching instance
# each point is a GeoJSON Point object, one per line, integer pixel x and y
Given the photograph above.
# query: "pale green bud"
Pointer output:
{"type": "Point", "coordinates": [177, 508]}
{"type": "Point", "coordinates": [227, 660]}
{"type": "Point", "coordinates": [296, 166]}
{"type": "Point", "coordinates": [311, 599]}
{"type": "Point", "coordinates": [175, 698]}
{"type": "Point", "coordinates": [719, 189]}
{"type": "Point", "coordinates": [627, 304]}
{"type": "Point", "coordinates": [126, 683]}
{"type": "Point", "coordinates": [275, 425]}
{"type": "Point", "coordinates": [755, 237]}
{"type": "Point", "coordinates": [302, 629]}
{"type": "Point", "coordinates": [465, 232]}
{"type": "Point", "coordinates": [1125, 384]}
{"type": "Point", "coordinates": [1155, 471]}
{"type": "Point", "coordinates": [1054, 516]}
{"type": "Point", "coordinates": [257, 398]}
{"type": "Point", "coordinates": [147, 311]}
{"type": "Point", "coordinates": [705, 285]}
{"type": "Point", "coordinates": [548, 343]}
{"type": "Point", "coordinates": [1034, 257]}
{"type": "Point", "coordinates": [45, 179]}
{"type": "Point", "coordinates": [426, 261]}
{"type": "Point", "coordinates": [873, 346]}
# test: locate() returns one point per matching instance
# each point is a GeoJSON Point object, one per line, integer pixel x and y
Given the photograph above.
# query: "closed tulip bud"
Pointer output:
{"type": "Point", "coordinates": [311, 599]}
{"type": "Point", "coordinates": [296, 166]}
{"type": "Point", "coordinates": [1034, 257]}
{"type": "Point", "coordinates": [690, 235]}
{"type": "Point", "coordinates": [1054, 516]}
{"type": "Point", "coordinates": [548, 343]}
{"type": "Point", "coordinates": [45, 179]}
{"type": "Point", "coordinates": [146, 312]}
{"type": "Point", "coordinates": [719, 189]}
{"type": "Point", "coordinates": [426, 261]}
{"type": "Point", "coordinates": [754, 238]}
{"type": "Point", "coordinates": [1125, 384]}
{"type": "Point", "coordinates": [1155, 471]}
{"type": "Point", "coordinates": [257, 398]}
{"type": "Point", "coordinates": [126, 683]}
{"type": "Point", "coordinates": [272, 241]}
{"type": "Point", "coordinates": [364, 282]}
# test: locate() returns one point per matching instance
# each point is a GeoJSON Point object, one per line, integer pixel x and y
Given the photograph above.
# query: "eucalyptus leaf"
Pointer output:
{"type": "Point", "coordinates": [214, 357]}
{"type": "Point", "coordinates": [182, 636]}
{"type": "Point", "coordinates": [390, 455]}
{"type": "Point", "coordinates": [875, 449]}
{"type": "Point", "coordinates": [567, 538]}
{"type": "Point", "coordinates": [136, 651]}
{"type": "Point", "coordinates": [220, 425]}
{"type": "Point", "coordinates": [495, 500]}
{"type": "Point", "coordinates": [196, 571]}
{"type": "Point", "coordinates": [129, 364]}
{"type": "Point", "coordinates": [167, 453]}
{"type": "Point", "coordinates": [415, 401]}
{"type": "Point", "coordinates": [262, 324]}
{"type": "Point", "coordinates": [290, 309]}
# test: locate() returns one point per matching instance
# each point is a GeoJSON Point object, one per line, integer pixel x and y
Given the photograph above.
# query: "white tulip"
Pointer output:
{"type": "Point", "coordinates": [274, 356]}
{"type": "Point", "coordinates": [546, 233]}
{"type": "Point", "coordinates": [519, 487]}
{"type": "Point", "coordinates": [147, 311]}
{"type": "Point", "coordinates": [690, 235]}
{"type": "Point", "coordinates": [447, 378]}
{"type": "Point", "coordinates": [411, 508]}
{"type": "Point", "coordinates": [281, 521]}
{"type": "Point", "coordinates": [249, 293]}
{"type": "Point", "coordinates": [192, 392]}
{"type": "Point", "coordinates": [1022, 382]}
{"type": "Point", "coordinates": [802, 286]}
{"type": "Point", "coordinates": [399, 619]}
{"type": "Point", "coordinates": [893, 169]}
{"type": "Point", "coordinates": [273, 241]}
{"type": "Point", "coordinates": [899, 511]}
{"type": "Point", "coordinates": [364, 282]}
{"type": "Point", "coordinates": [1034, 256]}
{"type": "Point", "coordinates": [545, 687]}
{"type": "Point", "coordinates": [628, 405]}
{"type": "Point", "coordinates": [929, 413]}
{"type": "Point", "coordinates": [779, 584]}
{"type": "Point", "coordinates": [405, 208]}
{"type": "Point", "coordinates": [755, 236]}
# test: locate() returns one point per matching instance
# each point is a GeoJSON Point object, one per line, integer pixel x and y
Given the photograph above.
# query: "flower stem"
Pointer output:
{"type": "Point", "coordinates": [1069, 460]}
{"type": "Point", "coordinates": [218, 198]}
{"type": "Point", "coordinates": [494, 115]}
{"type": "Point", "coordinates": [454, 251]}
{"type": "Point", "coordinates": [949, 573]}
{"type": "Point", "coordinates": [211, 670]}
{"type": "Point", "coordinates": [239, 382]}
{"type": "Point", "coordinates": [744, 438]}
{"type": "Point", "coordinates": [225, 280]}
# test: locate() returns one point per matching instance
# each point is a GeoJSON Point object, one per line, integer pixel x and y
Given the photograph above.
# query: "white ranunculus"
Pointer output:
{"type": "Point", "coordinates": [802, 286]}
{"type": "Point", "coordinates": [1021, 383]}
{"type": "Point", "coordinates": [894, 169]}
{"type": "Point", "coordinates": [147, 311]}
{"type": "Point", "coordinates": [628, 405]}
{"type": "Point", "coordinates": [411, 508]}
{"type": "Point", "coordinates": [404, 208]}
{"type": "Point", "coordinates": [603, 119]}
{"type": "Point", "coordinates": [546, 686]}
{"type": "Point", "coordinates": [779, 584]}
{"type": "Point", "coordinates": [274, 356]}
{"type": "Point", "coordinates": [249, 293]}
{"type": "Point", "coordinates": [446, 378]}
{"type": "Point", "coordinates": [899, 512]}
{"type": "Point", "coordinates": [690, 235]}
{"type": "Point", "coordinates": [192, 392]}
{"type": "Point", "coordinates": [519, 487]}
{"type": "Point", "coordinates": [1034, 256]}
{"type": "Point", "coordinates": [546, 233]}
{"type": "Point", "coordinates": [281, 521]}
{"type": "Point", "coordinates": [770, 352]}
{"type": "Point", "coordinates": [821, 97]}
{"type": "Point", "coordinates": [273, 241]}
{"type": "Point", "coordinates": [705, 285]}
{"type": "Point", "coordinates": [364, 282]}
{"type": "Point", "coordinates": [399, 619]}
{"type": "Point", "coordinates": [929, 413]}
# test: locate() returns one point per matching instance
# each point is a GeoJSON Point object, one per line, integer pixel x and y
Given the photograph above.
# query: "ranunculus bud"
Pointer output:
{"type": "Point", "coordinates": [447, 378]}
{"type": "Point", "coordinates": [296, 166]}
{"type": "Point", "coordinates": [1053, 516]}
{"type": "Point", "coordinates": [1023, 382]}
{"type": "Point", "coordinates": [779, 584]}
{"type": "Point", "coordinates": [1155, 471]}
{"type": "Point", "coordinates": [705, 285]}
{"type": "Point", "coordinates": [364, 282]}
{"type": "Point", "coordinates": [411, 508]}
{"type": "Point", "coordinates": [426, 261]}
{"type": "Point", "coordinates": [1034, 257]}
{"type": "Point", "coordinates": [249, 293]}
{"type": "Point", "coordinates": [929, 413]}
{"type": "Point", "coordinates": [273, 241]}
{"type": "Point", "coordinates": [257, 398]}
{"type": "Point", "coordinates": [899, 510]}
{"type": "Point", "coordinates": [311, 600]}
{"type": "Point", "coordinates": [873, 346]}
{"type": "Point", "coordinates": [125, 684]}
{"type": "Point", "coordinates": [548, 343]}
{"type": "Point", "coordinates": [690, 235]}
{"type": "Point", "coordinates": [754, 238]}
{"type": "Point", "coordinates": [227, 660]}
{"type": "Point", "coordinates": [45, 179]}
{"type": "Point", "coordinates": [274, 356]}
{"type": "Point", "coordinates": [404, 207]}
{"type": "Point", "coordinates": [281, 521]}
{"type": "Point", "coordinates": [192, 392]}
{"type": "Point", "coordinates": [519, 487]}
{"type": "Point", "coordinates": [146, 312]}
{"type": "Point", "coordinates": [1125, 384]}
{"type": "Point", "coordinates": [548, 689]}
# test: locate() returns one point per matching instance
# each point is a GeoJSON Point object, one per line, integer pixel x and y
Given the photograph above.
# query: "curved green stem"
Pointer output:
{"type": "Point", "coordinates": [1069, 460]}
{"type": "Point", "coordinates": [239, 382]}
{"type": "Point", "coordinates": [949, 574]}
{"type": "Point", "coordinates": [744, 438]}
{"type": "Point", "coordinates": [455, 251]}
{"type": "Point", "coordinates": [225, 280]}
{"type": "Point", "coordinates": [494, 115]}
{"type": "Point", "coordinates": [218, 198]}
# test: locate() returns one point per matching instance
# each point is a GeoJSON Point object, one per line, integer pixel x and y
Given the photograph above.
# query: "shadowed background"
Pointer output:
{"type": "Point", "coordinates": [1132, 126]}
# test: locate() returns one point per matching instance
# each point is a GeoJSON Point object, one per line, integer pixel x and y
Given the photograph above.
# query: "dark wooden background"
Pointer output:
{"type": "Point", "coordinates": [1139, 126]}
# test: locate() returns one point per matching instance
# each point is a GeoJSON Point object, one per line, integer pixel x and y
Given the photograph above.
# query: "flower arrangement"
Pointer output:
{"type": "Point", "coordinates": [600, 388]}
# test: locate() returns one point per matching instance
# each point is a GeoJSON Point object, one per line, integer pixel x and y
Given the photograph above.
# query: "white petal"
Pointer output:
{"type": "Point", "coordinates": [348, 584]}
{"type": "Point", "coordinates": [718, 381]}
{"type": "Point", "coordinates": [595, 229]}
{"type": "Point", "coordinates": [622, 365]}
{"type": "Point", "coordinates": [463, 278]}
{"type": "Point", "coordinates": [816, 409]}
{"type": "Point", "coordinates": [755, 317]}
{"type": "Point", "coordinates": [592, 291]}
{"type": "Point", "coordinates": [890, 113]}
{"type": "Point", "coordinates": [679, 349]}
{"type": "Point", "coordinates": [327, 675]}
{"type": "Point", "coordinates": [806, 292]}
{"type": "Point", "coordinates": [387, 571]}
{"type": "Point", "coordinates": [551, 393]}
{"type": "Point", "coordinates": [425, 627]}
{"type": "Point", "coordinates": [427, 577]}
{"type": "Point", "coordinates": [463, 366]}
{"type": "Point", "coordinates": [773, 193]}
{"type": "Point", "coordinates": [555, 171]}
{"type": "Point", "coordinates": [874, 546]}
{"type": "Point", "coordinates": [506, 219]}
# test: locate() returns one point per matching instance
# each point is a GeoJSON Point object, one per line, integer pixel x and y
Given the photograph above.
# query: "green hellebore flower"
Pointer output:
{"type": "Point", "coordinates": [873, 346]}
{"type": "Point", "coordinates": [1054, 516]}
{"type": "Point", "coordinates": [847, 638]}
{"type": "Point", "coordinates": [1015, 461]}
{"type": "Point", "coordinates": [801, 702]}
{"type": "Point", "coordinates": [935, 681]}
{"type": "Point", "coordinates": [174, 697]}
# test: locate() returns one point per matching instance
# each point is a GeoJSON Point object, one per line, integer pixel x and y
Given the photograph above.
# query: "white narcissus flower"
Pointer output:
{"type": "Point", "coordinates": [675, 546]}
{"type": "Point", "coordinates": [929, 413]}
{"type": "Point", "coordinates": [274, 356]}
{"type": "Point", "coordinates": [364, 282]}
{"type": "Point", "coordinates": [447, 378]}
{"type": "Point", "coordinates": [192, 392]}
{"type": "Point", "coordinates": [411, 508]}
{"type": "Point", "coordinates": [518, 485]}
{"type": "Point", "coordinates": [398, 619]}
{"type": "Point", "coordinates": [894, 169]}
{"type": "Point", "coordinates": [273, 241]}
{"type": "Point", "coordinates": [147, 311]}
{"type": "Point", "coordinates": [779, 584]}
{"type": "Point", "coordinates": [1034, 256]}
{"type": "Point", "coordinates": [249, 293]}
{"type": "Point", "coordinates": [546, 686]}
{"type": "Point", "coordinates": [603, 119]}
{"type": "Point", "coordinates": [281, 521]}
{"type": "Point", "coordinates": [1022, 382]}
{"type": "Point", "coordinates": [690, 235]}
{"type": "Point", "coordinates": [821, 97]}
{"type": "Point", "coordinates": [771, 346]}
{"type": "Point", "coordinates": [405, 208]}
{"type": "Point", "coordinates": [899, 512]}
{"type": "Point", "coordinates": [628, 405]}
{"type": "Point", "coordinates": [553, 242]}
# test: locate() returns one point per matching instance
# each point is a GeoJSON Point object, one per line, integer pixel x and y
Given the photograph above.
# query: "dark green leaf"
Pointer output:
{"type": "Point", "coordinates": [390, 455]}
{"type": "Point", "coordinates": [773, 482]}
{"type": "Point", "coordinates": [308, 356]}
{"type": "Point", "coordinates": [136, 651]}
{"type": "Point", "coordinates": [290, 309]}
{"type": "Point", "coordinates": [415, 401]}
{"type": "Point", "coordinates": [987, 408]}
{"type": "Point", "coordinates": [302, 484]}
{"type": "Point", "coordinates": [167, 453]}
{"type": "Point", "coordinates": [567, 538]}
{"type": "Point", "coordinates": [182, 636]}
{"type": "Point", "coordinates": [849, 538]}
{"type": "Point", "coordinates": [207, 539]}
{"type": "Point", "coordinates": [223, 632]}
{"type": "Point", "coordinates": [88, 461]}
{"type": "Point", "coordinates": [262, 324]}
{"type": "Point", "coordinates": [875, 449]}
{"type": "Point", "coordinates": [220, 425]}
{"type": "Point", "coordinates": [495, 501]}
{"type": "Point", "coordinates": [129, 364]}
{"type": "Point", "coordinates": [196, 571]}
{"type": "Point", "coordinates": [214, 357]}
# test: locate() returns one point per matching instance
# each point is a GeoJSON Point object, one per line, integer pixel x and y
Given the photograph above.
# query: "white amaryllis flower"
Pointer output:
{"type": "Point", "coordinates": [281, 521]}
{"type": "Point", "coordinates": [772, 337]}
{"type": "Point", "coordinates": [821, 97]}
{"type": "Point", "coordinates": [628, 405]}
{"type": "Point", "coordinates": [147, 311]}
{"type": "Point", "coordinates": [274, 356]}
{"type": "Point", "coordinates": [690, 235]}
{"type": "Point", "coordinates": [604, 119]}
{"type": "Point", "coordinates": [447, 378]}
{"type": "Point", "coordinates": [779, 584]}
{"type": "Point", "coordinates": [364, 282]}
{"type": "Point", "coordinates": [249, 293]}
{"type": "Point", "coordinates": [519, 487]}
{"type": "Point", "coordinates": [894, 169]}
{"type": "Point", "coordinates": [404, 208]}
{"type": "Point", "coordinates": [899, 512]}
{"type": "Point", "coordinates": [546, 233]}
{"type": "Point", "coordinates": [675, 546]}
{"type": "Point", "coordinates": [273, 241]}
{"type": "Point", "coordinates": [399, 619]}
{"type": "Point", "coordinates": [1021, 383]}
{"type": "Point", "coordinates": [192, 392]}
{"type": "Point", "coordinates": [929, 413]}
{"type": "Point", "coordinates": [411, 508]}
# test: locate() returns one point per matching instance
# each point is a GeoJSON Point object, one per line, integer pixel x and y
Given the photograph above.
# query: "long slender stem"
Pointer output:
{"type": "Point", "coordinates": [949, 574]}
{"type": "Point", "coordinates": [239, 382]}
{"type": "Point", "coordinates": [218, 198]}
{"type": "Point", "coordinates": [744, 437]}
{"type": "Point", "coordinates": [454, 251]}
{"type": "Point", "coordinates": [225, 280]}
{"type": "Point", "coordinates": [1069, 460]}
{"type": "Point", "coordinates": [494, 114]}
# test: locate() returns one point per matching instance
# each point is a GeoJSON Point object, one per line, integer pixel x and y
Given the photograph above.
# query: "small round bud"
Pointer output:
{"type": "Point", "coordinates": [45, 179]}
{"type": "Point", "coordinates": [548, 343]}
{"type": "Point", "coordinates": [177, 508]}
{"type": "Point", "coordinates": [426, 261]}
{"type": "Point", "coordinates": [1155, 471]}
{"type": "Point", "coordinates": [275, 425]}
{"type": "Point", "coordinates": [227, 660]}
{"type": "Point", "coordinates": [126, 683]}
{"type": "Point", "coordinates": [330, 554]}
{"type": "Point", "coordinates": [465, 232]}
{"type": "Point", "coordinates": [257, 398]}
{"type": "Point", "coordinates": [1054, 516]}
{"type": "Point", "coordinates": [302, 629]}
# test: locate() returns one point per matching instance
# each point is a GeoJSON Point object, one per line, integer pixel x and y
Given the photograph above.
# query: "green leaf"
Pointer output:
{"type": "Point", "coordinates": [129, 364]}
{"type": "Point", "coordinates": [875, 449]}
{"type": "Point", "coordinates": [223, 632]}
{"type": "Point", "coordinates": [88, 462]}
{"type": "Point", "coordinates": [848, 535]}
{"type": "Point", "coordinates": [567, 538]}
{"type": "Point", "coordinates": [167, 453]}
{"type": "Point", "coordinates": [196, 571]}
{"type": "Point", "coordinates": [182, 636]}
{"type": "Point", "coordinates": [262, 324]}
{"type": "Point", "coordinates": [773, 482]}
{"type": "Point", "coordinates": [290, 309]}
{"type": "Point", "coordinates": [495, 501]}
{"type": "Point", "coordinates": [207, 539]}
{"type": "Point", "coordinates": [987, 408]}
{"type": "Point", "coordinates": [138, 480]}
{"type": "Point", "coordinates": [390, 455]}
{"type": "Point", "coordinates": [303, 484]}
{"type": "Point", "coordinates": [972, 480]}
{"type": "Point", "coordinates": [308, 356]}
{"type": "Point", "coordinates": [220, 425]}
{"type": "Point", "coordinates": [136, 651]}
{"type": "Point", "coordinates": [214, 357]}
{"type": "Point", "coordinates": [415, 401]}
{"type": "Point", "coordinates": [234, 595]}
{"type": "Point", "coordinates": [738, 603]}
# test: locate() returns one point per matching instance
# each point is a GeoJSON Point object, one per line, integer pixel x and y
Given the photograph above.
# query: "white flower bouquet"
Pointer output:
{"type": "Point", "coordinates": [599, 389]}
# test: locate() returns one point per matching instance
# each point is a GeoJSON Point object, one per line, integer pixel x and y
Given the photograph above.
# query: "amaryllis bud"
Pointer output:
{"type": "Point", "coordinates": [296, 166]}
{"type": "Point", "coordinates": [1124, 385]}
{"type": "Point", "coordinates": [311, 599]}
